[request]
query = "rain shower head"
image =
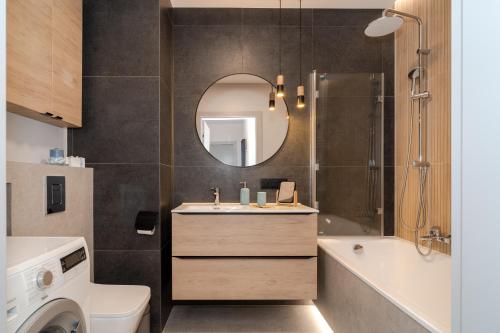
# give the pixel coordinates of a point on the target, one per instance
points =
(384, 25)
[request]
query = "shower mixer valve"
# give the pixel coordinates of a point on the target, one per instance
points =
(435, 234)
(420, 164)
(414, 75)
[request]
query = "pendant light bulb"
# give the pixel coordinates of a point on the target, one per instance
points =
(272, 101)
(300, 97)
(280, 86)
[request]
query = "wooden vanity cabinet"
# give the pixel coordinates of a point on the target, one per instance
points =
(244, 256)
(44, 60)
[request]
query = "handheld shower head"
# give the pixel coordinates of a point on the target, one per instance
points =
(413, 75)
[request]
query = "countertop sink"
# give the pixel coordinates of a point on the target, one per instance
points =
(236, 208)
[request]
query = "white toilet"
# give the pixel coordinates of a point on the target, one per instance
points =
(117, 308)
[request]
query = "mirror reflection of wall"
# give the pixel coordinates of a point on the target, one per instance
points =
(235, 124)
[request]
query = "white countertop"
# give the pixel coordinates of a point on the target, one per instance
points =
(236, 208)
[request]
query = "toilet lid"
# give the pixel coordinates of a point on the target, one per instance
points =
(117, 300)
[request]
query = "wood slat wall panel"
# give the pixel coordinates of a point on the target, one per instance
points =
(436, 15)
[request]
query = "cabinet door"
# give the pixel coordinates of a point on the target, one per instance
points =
(67, 61)
(244, 235)
(244, 279)
(29, 56)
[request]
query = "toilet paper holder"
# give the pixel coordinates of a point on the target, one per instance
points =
(145, 222)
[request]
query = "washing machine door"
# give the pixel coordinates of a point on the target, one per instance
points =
(58, 316)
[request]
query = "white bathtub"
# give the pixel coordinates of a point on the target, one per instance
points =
(421, 287)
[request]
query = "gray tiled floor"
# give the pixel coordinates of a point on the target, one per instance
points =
(245, 319)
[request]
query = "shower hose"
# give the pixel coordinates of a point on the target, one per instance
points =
(421, 217)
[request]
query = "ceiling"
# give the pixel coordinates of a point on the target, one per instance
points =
(285, 3)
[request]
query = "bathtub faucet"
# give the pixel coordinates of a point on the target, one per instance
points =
(435, 234)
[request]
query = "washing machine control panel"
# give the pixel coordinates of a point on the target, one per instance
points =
(73, 259)
(48, 276)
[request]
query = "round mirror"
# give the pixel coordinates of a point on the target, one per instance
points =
(235, 122)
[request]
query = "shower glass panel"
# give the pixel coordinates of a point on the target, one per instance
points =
(347, 127)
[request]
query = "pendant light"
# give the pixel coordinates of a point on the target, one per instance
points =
(280, 80)
(272, 100)
(300, 89)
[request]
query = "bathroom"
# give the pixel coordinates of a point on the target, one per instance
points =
(249, 166)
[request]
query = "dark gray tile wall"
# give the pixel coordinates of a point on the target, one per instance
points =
(140, 59)
(166, 151)
(212, 43)
(127, 138)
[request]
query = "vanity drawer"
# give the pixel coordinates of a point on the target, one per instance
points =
(244, 279)
(244, 235)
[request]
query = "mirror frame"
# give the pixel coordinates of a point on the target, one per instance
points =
(237, 166)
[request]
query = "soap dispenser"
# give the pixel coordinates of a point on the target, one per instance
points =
(244, 194)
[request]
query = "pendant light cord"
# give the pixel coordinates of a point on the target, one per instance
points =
(280, 71)
(300, 41)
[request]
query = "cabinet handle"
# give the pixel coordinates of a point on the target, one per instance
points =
(48, 114)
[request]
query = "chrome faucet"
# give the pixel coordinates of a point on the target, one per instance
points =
(435, 234)
(215, 190)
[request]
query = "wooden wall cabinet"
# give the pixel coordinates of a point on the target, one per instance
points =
(44, 60)
(244, 256)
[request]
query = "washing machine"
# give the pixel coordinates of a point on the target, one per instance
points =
(48, 285)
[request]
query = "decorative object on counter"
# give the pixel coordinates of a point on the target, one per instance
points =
(145, 222)
(261, 199)
(286, 190)
(244, 194)
(287, 194)
(56, 156)
(75, 161)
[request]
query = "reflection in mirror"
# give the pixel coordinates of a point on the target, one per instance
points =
(235, 124)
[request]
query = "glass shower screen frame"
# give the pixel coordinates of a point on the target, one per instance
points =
(353, 89)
